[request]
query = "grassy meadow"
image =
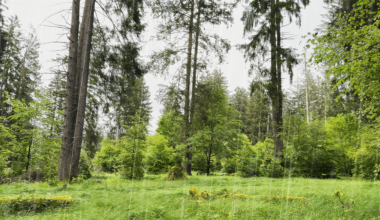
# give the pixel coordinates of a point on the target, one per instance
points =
(109, 197)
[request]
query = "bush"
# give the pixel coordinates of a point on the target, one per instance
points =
(16, 204)
(107, 158)
(272, 169)
(132, 158)
(159, 155)
(84, 166)
(176, 173)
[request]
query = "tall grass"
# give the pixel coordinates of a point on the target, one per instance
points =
(109, 197)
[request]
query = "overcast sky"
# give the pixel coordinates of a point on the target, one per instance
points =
(45, 15)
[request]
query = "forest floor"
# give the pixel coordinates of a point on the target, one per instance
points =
(109, 197)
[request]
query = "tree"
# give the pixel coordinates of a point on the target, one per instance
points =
(19, 64)
(178, 22)
(270, 32)
(159, 156)
(170, 126)
(32, 144)
(353, 60)
(216, 123)
(79, 65)
(341, 136)
(254, 111)
(65, 162)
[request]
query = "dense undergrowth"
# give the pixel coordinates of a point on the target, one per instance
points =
(110, 197)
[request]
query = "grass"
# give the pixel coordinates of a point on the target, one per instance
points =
(110, 197)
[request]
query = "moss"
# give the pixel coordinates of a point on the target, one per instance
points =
(15, 204)
(205, 194)
(224, 194)
(194, 191)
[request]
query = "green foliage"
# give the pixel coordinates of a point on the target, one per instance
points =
(307, 152)
(159, 156)
(366, 156)
(13, 205)
(215, 125)
(198, 163)
(29, 142)
(342, 139)
(354, 58)
(107, 158)
(170, 126)
(176, 173)
(267, 164)
(247, 158)
(84, 166)
(126, 154)
(7, 141)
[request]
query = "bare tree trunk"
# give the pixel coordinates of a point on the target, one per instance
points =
(1, 93)
(187, 165)
(197, 33)
(208, 164)
(88, 21)
(273, 73)
(64, 168)
(307, 91)
(277, 108)
(194, 83)
(29, 155)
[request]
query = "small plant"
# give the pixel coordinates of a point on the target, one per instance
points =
(176, 173)
(52, 182)
(349, 204)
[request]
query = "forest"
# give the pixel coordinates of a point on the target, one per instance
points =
(301, 141)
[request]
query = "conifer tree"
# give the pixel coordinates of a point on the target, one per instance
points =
(268, 17)
(182, 25)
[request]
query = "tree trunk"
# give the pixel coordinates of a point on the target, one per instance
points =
(277, 107)
(307, 91)
(64, 168)
(187, 165)
(208, 158)
(88, 21)
(29, 155)
(197, 33)
(273, 73)
(1, 93)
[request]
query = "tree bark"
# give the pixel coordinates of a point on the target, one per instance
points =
(64, 168)
(197, 33)
(273, 73)
(1, 93)
(277, 107)
(307, 91)
(208, 158)
(88, 21)
(29, 155)
(187, 164)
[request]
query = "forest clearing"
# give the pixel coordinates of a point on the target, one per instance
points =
(109, 197)
(189, 109)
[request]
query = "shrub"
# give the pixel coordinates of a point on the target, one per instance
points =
(84, 166)
(176, 173)
(159, 155)
(272, 169)
(132, 158)
(107, 158)
(16, 204)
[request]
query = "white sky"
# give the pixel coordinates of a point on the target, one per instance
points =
(40, 14)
